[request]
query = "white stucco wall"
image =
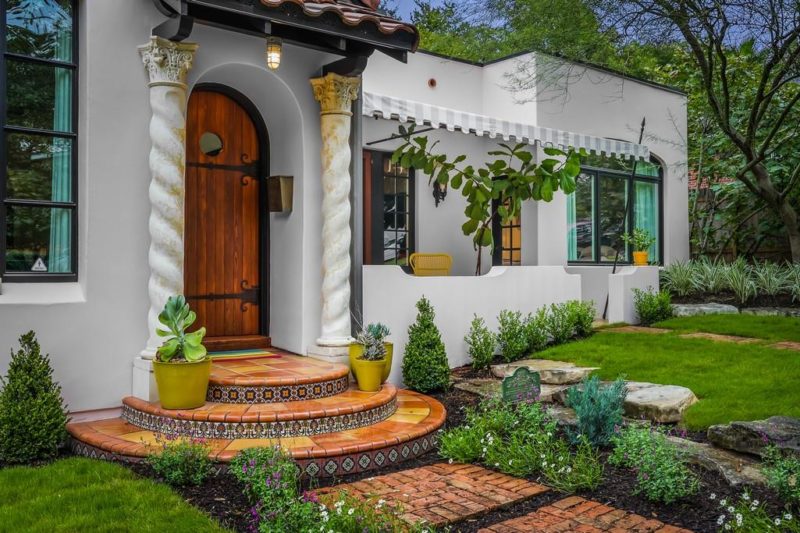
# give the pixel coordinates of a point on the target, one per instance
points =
(93, 329)
(390, 296)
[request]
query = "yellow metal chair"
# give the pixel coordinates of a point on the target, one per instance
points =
(431, 264)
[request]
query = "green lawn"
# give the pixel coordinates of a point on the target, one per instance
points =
(86, 495)
(772, 328)
(732, 381)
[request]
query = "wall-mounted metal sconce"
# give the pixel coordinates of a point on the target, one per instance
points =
(439, 192)
(280, 190)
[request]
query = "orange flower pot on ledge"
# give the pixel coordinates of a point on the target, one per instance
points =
(640, 258)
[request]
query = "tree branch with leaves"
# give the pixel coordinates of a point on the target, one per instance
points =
(499, 187)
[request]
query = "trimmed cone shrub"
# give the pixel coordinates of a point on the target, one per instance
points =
(425, 366)
(33, 417)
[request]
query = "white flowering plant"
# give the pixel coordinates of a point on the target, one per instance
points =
(522, 440)
(749, 514)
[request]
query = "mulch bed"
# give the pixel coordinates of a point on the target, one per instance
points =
(221, 496)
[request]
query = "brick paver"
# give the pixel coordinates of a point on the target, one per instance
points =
(578, 514)
(443, 493)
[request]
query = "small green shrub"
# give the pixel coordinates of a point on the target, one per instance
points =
(512, 339)
(480, 343)
(651, 306)
(522, 440)
(33, 416)
(181, 461)
(598, 408)
(748, 516)
(679, 278)
(535, 326)
(425, 365)
(783, 474)
(582, 316)
(267, 474)
(561, 323)
(662, 471)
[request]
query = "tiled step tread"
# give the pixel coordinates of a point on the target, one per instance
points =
(416, 416)
(287, 369)
(350, 401)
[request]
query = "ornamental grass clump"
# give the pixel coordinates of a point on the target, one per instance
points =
(599, 409)
(652, 306)
(679, 278)
(512, 339)
(662, 471)
(33, 416)
(481, 343)
(181, 461)
(425, 365)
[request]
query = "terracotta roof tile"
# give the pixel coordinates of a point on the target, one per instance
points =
(353, 13)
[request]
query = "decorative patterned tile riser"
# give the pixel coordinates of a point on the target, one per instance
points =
(323, 467)
(364, 461)
(258, 430)
(248, 394)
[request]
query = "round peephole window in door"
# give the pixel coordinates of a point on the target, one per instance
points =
(210, 144)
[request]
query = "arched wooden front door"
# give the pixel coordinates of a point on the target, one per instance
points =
(225, 237)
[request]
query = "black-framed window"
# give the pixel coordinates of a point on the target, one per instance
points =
(38, 153)
(608, 190)
(507, 240)
(390, 211)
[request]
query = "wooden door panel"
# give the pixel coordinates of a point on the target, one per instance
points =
(222, 230)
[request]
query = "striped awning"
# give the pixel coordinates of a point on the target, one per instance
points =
(388, 107)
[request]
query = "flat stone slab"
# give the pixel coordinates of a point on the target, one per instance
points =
(659, 403)
(578, 514)
(737, 469)
(638, 329)
(772, 311)
(753, 437)
(442, 493)
(485, 388)
(551, 372)
(711, 308)
(716, 337)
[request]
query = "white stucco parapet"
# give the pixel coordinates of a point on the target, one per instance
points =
(335, 95)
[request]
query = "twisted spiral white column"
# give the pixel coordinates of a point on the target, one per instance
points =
(166, 63)
(335, 94)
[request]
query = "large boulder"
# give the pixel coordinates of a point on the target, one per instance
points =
(737, 469)
(551, 372)
(659, 403)
(772, 311)
(703, 309)
(753, 437)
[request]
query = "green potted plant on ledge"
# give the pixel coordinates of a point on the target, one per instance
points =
(182, 366)
(640, 241)
(371, 357)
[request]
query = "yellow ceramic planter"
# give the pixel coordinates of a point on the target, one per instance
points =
(640, 258)
(182, 385)
(357, 350)
(369, 374)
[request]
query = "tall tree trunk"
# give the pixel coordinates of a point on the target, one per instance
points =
(789, 217)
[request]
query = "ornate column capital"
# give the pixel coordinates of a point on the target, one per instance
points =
(336, 93)
(167, 62)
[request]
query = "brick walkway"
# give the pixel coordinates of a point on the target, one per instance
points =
(443, 493)
(577, 514)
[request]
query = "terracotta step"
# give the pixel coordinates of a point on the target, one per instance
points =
(348, 410)
(278, 377)
(410, 432)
